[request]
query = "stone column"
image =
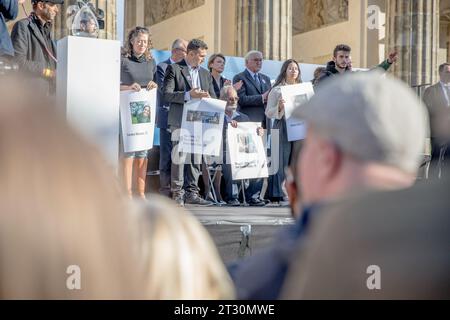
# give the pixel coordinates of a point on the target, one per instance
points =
(264, 25)
(413, 30)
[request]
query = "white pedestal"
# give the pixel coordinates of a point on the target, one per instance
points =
(88, 86)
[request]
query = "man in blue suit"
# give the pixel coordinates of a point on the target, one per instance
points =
(179, 48)
(252, 102)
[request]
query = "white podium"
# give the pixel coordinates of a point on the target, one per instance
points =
(88, 86)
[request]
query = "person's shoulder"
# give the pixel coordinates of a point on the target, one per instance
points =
(240, 75)
(22, 24)
(243, 117)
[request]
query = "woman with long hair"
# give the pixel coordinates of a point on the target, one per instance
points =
(290, 74)
(137, 70)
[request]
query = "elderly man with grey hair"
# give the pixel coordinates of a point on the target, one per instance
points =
(253, 99)
(365, 133)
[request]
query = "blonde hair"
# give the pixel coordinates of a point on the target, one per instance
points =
(178, 255)
(59, 206)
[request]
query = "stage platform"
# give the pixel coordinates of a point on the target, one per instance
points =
(241, 231)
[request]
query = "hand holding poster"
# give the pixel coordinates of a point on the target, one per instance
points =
(295, 95)
(138, 112)
(246, 152)
(202, 127)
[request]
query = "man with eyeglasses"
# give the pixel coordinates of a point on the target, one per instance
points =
(179, 47)
(437, 99)
(35, 50)
(252, 101)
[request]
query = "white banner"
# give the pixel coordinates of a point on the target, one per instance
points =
(202, 127)
(294, 96)
(138, 113)
(246, 151)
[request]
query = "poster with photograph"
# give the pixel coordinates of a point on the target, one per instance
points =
(295, 96)
(202, 127)
(137, 114)
(247, 155)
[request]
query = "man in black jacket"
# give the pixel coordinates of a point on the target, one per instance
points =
(165, 162)
(35, 50)
(342, 63)
(184, 81)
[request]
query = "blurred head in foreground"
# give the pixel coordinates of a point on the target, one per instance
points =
(177, 255)
(60, 206)
(364, 131)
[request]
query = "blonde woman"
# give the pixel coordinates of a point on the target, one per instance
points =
(289, 74)
(63, 224)
(178, 257)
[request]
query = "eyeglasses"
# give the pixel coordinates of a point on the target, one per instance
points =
(257, 60)
(181, 49)
(233, 99)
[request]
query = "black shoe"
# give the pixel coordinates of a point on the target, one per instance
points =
(197, 200)
(234, 203)
(256, 203)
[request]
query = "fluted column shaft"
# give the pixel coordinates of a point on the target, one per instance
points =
(264, 25)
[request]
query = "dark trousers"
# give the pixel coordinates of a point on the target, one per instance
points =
(185, 171)
(165, 161)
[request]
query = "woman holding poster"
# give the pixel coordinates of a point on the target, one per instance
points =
(290, 74)
(137, 70)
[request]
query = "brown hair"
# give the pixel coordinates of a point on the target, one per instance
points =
(214, 57)
(132, 35)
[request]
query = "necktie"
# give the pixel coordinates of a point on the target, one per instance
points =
(258, 82)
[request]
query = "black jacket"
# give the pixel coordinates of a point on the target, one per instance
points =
(177, 82)
(34, 49)
(250, 96)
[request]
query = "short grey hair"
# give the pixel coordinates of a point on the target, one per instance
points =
(251, 53)
(224, 91)
(177, 43)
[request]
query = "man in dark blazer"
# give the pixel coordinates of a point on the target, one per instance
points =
(255, 89)
(253, 99)
(179, 48)
(35, 50)
(437, 99)
(183, 82)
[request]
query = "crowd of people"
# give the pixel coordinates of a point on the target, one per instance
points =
(351, 183)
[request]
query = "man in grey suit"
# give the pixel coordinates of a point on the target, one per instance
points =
(179, 48)
(437, 99)
(252, 102)
(183, 82)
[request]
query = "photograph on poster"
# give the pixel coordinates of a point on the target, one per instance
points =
(140, 112)
(203, 117)
(246, 143)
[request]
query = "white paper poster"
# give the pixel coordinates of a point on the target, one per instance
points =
(138, 113)
(202, 127)
(295, 96)
(247, 155)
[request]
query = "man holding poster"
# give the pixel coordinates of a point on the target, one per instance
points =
(183, 82)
